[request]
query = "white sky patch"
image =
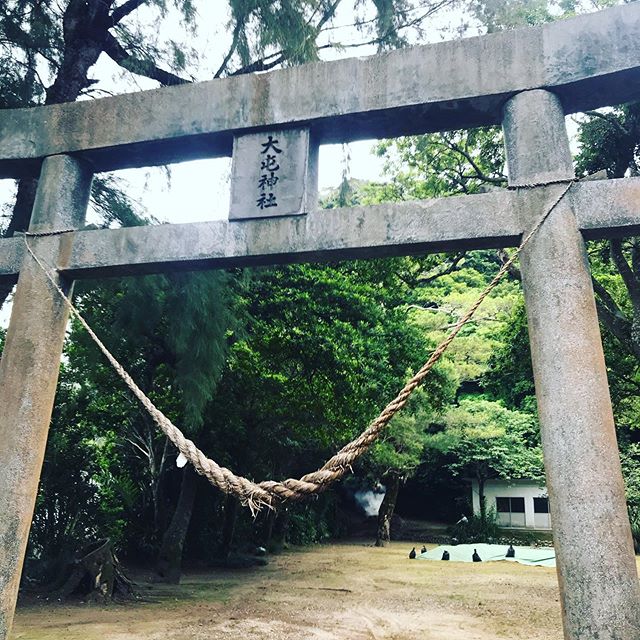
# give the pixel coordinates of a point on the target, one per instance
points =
(5, 313)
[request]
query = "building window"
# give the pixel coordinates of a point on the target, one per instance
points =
(511, 505)
(510, 512)
(541, 505)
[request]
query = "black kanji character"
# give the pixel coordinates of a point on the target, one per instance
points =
(270, 144)
(266, 200)
(268, 180)
(269, 164)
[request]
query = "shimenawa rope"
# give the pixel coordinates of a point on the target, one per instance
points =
(269, 493)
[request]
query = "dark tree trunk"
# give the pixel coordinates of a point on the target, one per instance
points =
(483, 501)
(280, 529)
(386, 510)
(270, 519)
(157, 465)
(170, 557)
(229, 525)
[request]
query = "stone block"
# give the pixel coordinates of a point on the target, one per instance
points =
(273, 173)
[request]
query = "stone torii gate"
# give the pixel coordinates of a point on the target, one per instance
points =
(527, 80)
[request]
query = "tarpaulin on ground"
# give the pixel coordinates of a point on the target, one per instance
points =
(535, 556)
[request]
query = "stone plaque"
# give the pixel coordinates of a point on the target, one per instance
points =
(273, 173)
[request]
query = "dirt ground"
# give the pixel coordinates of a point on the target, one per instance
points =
(334, 592)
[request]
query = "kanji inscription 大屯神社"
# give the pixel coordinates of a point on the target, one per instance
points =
(273, 174)
(269, 178)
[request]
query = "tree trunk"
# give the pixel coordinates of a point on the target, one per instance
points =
(85, 25)
(157, 464)
(386, 510)
(483, 501)
(280, 529)
(229, 526)
(170, 557)
(267, 536)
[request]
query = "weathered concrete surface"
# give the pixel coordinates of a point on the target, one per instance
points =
(390, 229)
(604, 209)
(589, 61)
(273, 173)
(29, 372)
(11, 255)
(607, 209)
(596, 567)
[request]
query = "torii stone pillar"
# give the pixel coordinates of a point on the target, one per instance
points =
(599, 595)
(29, 368)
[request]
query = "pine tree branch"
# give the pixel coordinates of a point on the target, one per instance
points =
(327, 15)
(125, 9)
(461, 183)
(611, 119)
(612, 317)
(619, 328)
(273, 59)
(430, 11)
(140, 67)
(480, 175)
(607, 300)
(452, 266)
(514, 272)
(484, 178)
(234, 44)
(262, 64)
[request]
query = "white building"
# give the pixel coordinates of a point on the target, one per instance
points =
(521, 504)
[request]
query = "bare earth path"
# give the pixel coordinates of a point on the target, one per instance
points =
(333, 592)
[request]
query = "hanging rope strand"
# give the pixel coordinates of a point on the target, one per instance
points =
(269, 493)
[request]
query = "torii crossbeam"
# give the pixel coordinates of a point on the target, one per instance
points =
(527, 80)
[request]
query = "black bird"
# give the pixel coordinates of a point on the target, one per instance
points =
(511, 552)
(423, 550)
(475, 557)
(412, 554)
(445, 555)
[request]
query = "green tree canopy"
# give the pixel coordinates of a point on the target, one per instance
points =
(481, 439)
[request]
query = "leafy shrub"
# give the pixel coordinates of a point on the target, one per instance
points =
(475, 530)
(307, 525)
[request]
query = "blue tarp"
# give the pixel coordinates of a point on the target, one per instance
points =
(535, 556)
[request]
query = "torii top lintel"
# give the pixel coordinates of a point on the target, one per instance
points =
(589, 62)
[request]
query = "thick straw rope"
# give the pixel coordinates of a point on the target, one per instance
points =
(269, 493)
